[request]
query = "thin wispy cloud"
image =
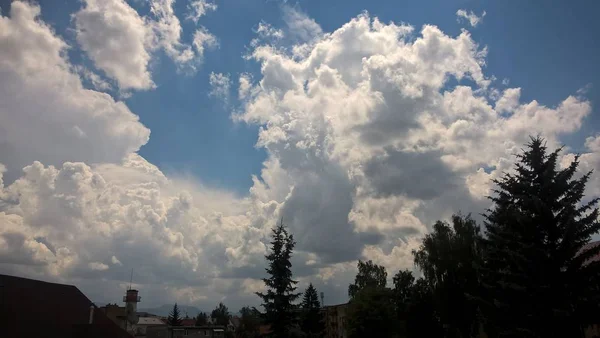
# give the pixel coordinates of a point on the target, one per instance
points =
(472, 18)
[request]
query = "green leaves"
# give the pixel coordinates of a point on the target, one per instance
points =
(369, 275)
(449, 257)
(221, 315)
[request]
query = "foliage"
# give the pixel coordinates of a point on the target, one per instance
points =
(449, 257)
(174, 318)
(250, 321)
(369, 275)
(421, 317)
(537, 282)
(220, 315)
(371, 313)
(402, 292)
(312, 320)
(201, 319)
(280, 295)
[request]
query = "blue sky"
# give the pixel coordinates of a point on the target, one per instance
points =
(118, 152)
(548, 49)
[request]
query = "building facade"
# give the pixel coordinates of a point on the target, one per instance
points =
(185, 331)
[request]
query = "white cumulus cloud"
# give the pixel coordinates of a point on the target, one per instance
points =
(122, 43)
(42, 94)
(367, 145)
(304, 28)
(117, 40)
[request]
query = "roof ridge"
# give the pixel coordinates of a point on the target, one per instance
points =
(37, 280)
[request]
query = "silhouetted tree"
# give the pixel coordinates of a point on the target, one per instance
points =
(201, 319)
(174, 318)
(312, 320)
(220, 315)
(371, 310)
(250, 319)
(403, 284)
(537, 282)
(280, 295)
(421, 317)
(369, 275)
(449, 257)
(371, 313)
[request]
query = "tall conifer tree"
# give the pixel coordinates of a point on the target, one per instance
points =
(537, 282)
(279, 298)
(174, 318)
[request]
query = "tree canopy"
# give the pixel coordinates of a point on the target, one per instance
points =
(250, 320)
(220, 315)
(371, 313)
(369, 275)
(448, 258)
(201, 319)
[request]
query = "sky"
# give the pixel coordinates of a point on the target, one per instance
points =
(170, 136)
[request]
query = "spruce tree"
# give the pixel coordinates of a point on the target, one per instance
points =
(535, 272)
(312, 320)
(201, 319)
(174, 318)
(279, 297)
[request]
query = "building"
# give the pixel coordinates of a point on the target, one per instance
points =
(144, 323)
(32, 309)
(124, 316)
(335, 320)
(188, 322)
(116, 313)
(207, 331)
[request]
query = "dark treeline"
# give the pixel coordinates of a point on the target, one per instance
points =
(525, 272)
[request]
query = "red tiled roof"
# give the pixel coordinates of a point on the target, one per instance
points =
(32, 309)
(188, 322)
(264, 329)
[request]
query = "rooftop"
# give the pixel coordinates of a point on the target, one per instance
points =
(150, 321)
(59, 311)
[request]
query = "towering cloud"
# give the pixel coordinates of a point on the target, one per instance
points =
(372, 132)
(121, 43)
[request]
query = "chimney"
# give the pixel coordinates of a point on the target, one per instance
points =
(91, 314)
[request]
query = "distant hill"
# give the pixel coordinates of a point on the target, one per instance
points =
(164, 310)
